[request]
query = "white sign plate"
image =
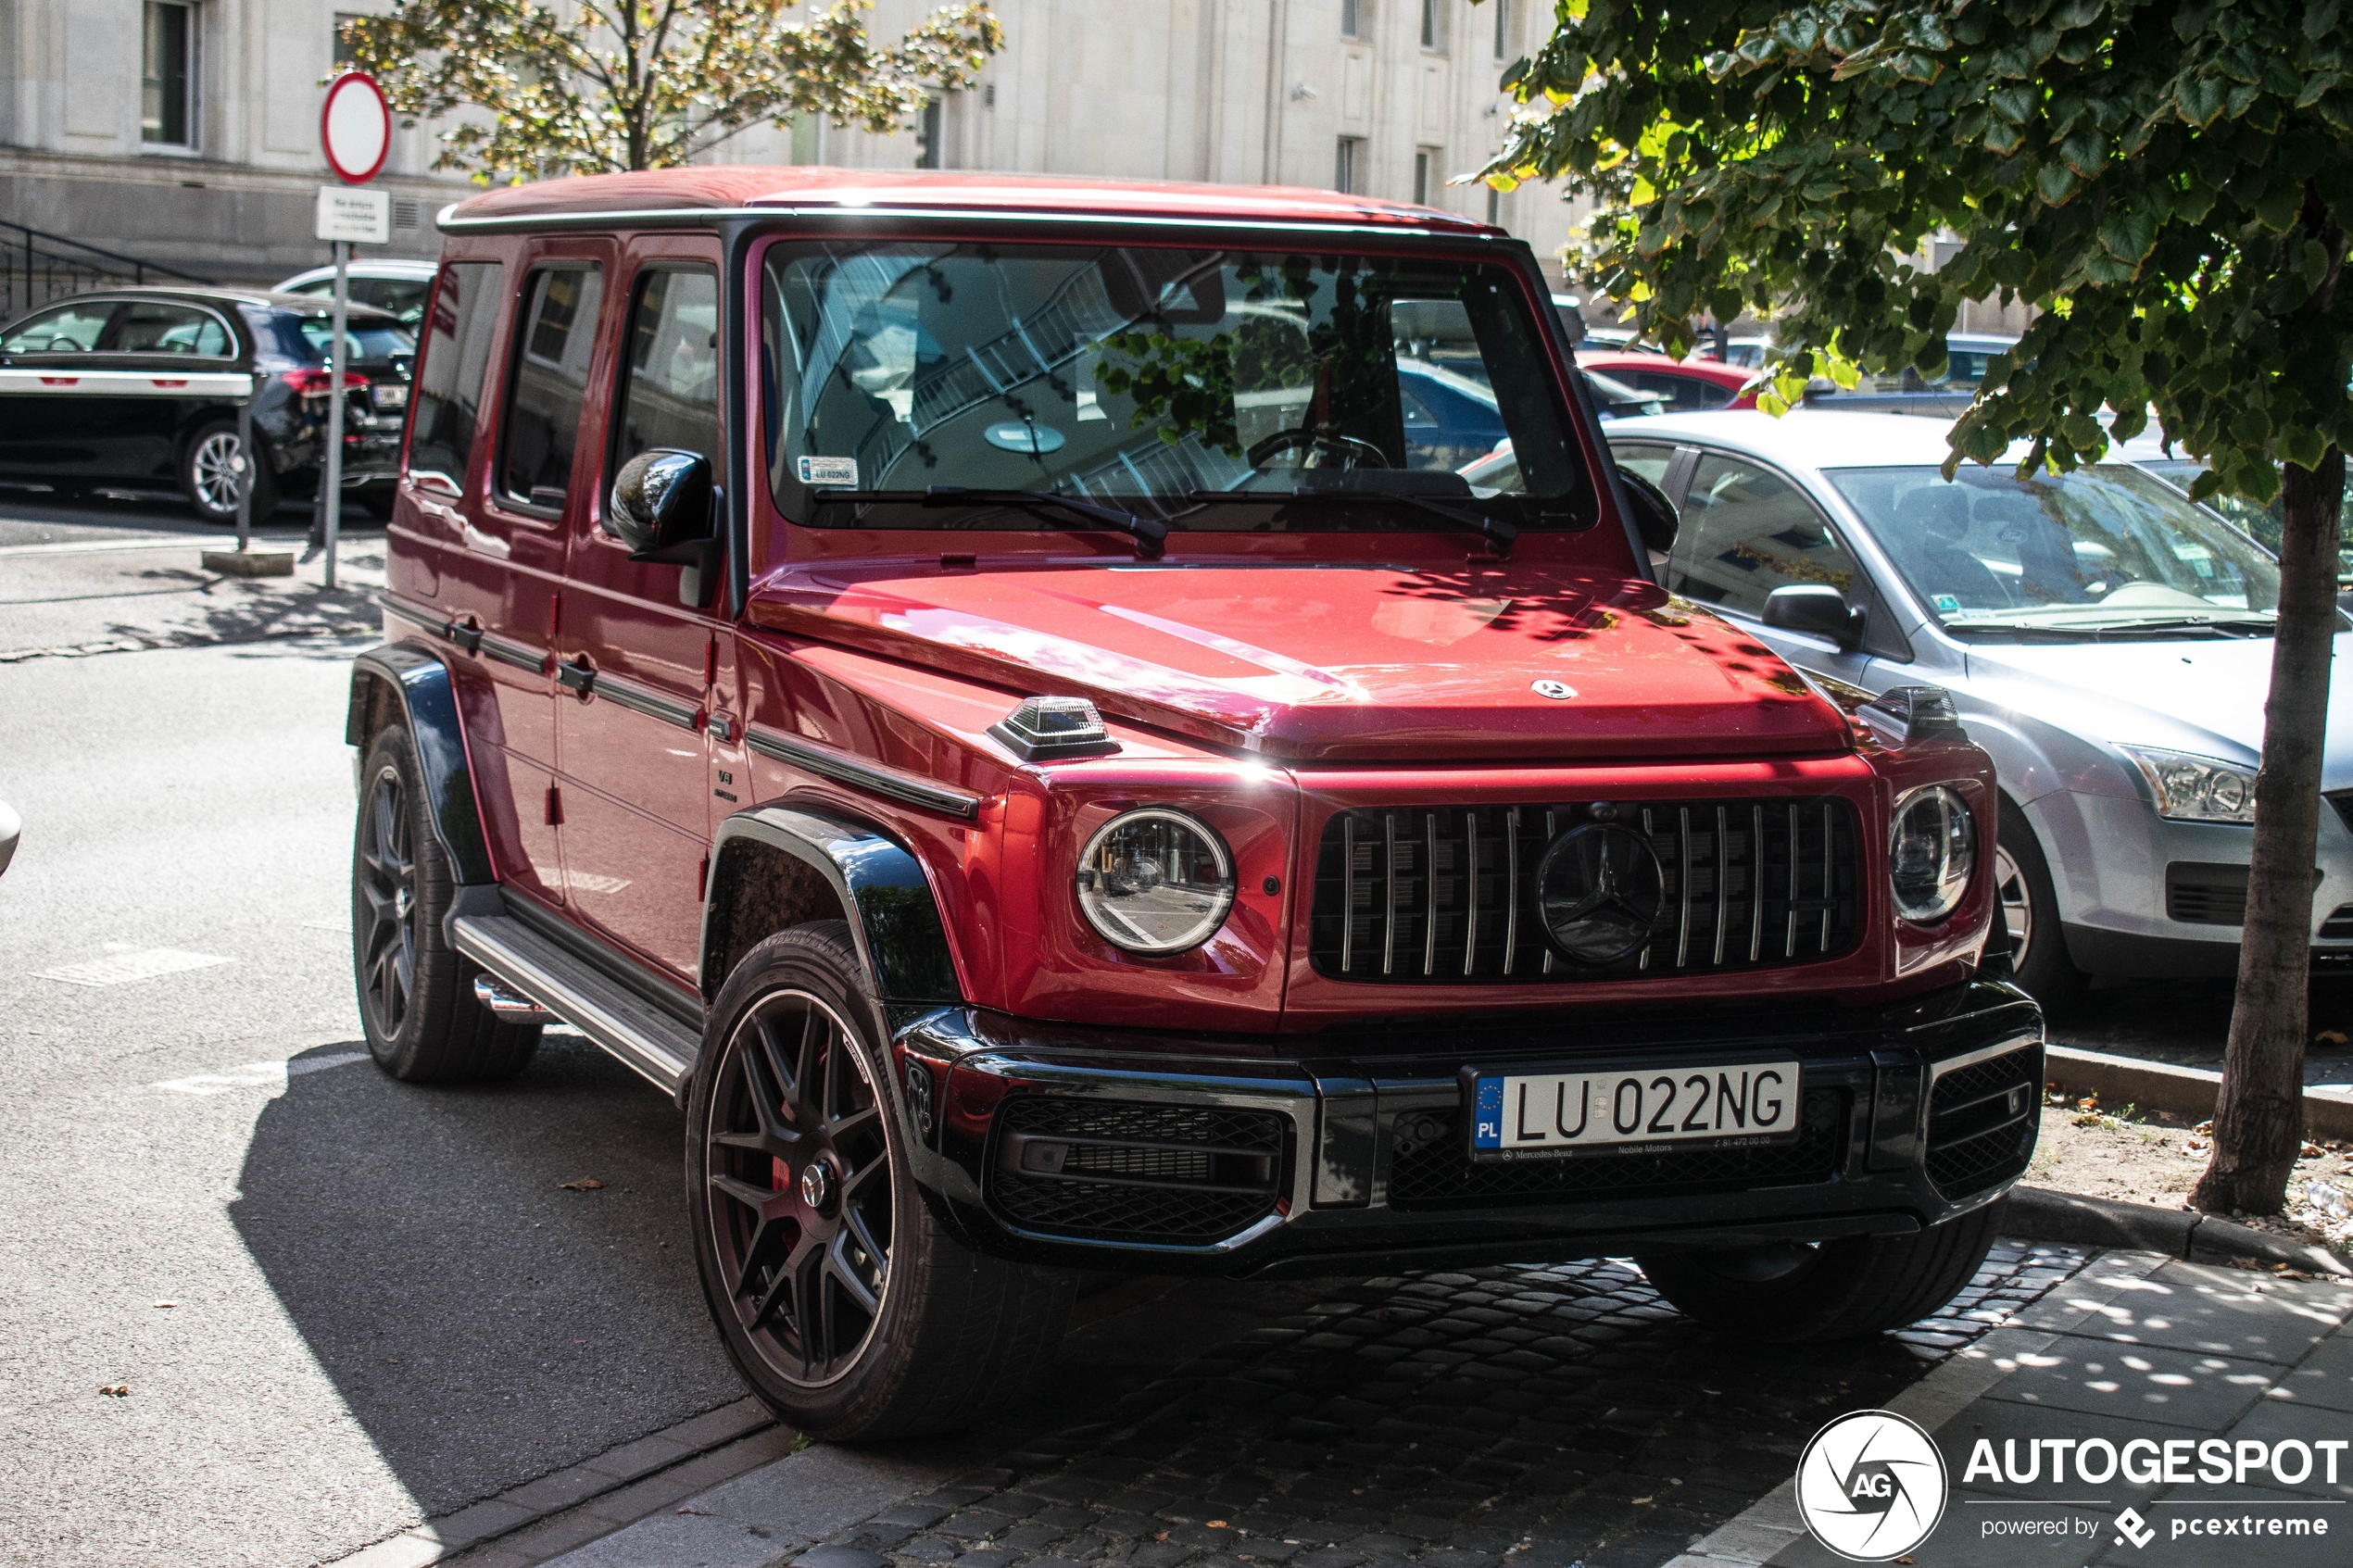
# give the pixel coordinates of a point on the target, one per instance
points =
(359, 217)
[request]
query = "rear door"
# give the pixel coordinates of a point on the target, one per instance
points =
(638, 660)
(492, 569)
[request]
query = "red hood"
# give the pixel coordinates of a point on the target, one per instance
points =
(1337, 663)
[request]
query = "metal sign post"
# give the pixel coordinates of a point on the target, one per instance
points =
(355, 127)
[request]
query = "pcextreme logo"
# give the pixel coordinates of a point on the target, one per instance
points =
(1871, 1485)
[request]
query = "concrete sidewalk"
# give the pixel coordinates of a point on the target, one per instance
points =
(2137, 1346)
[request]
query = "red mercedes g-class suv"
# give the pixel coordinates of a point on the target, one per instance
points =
(993, 693)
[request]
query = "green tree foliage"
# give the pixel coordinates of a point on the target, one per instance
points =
(2169, 181)
(601, 86)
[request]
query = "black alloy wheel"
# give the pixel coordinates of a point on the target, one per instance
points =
(385, 883)
(799, 1188)
(417, 1004)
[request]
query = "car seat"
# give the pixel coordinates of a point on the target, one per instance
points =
(1930, 523)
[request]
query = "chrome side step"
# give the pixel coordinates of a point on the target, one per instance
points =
(652, 1043)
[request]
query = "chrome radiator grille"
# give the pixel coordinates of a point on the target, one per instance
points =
(1435, 894)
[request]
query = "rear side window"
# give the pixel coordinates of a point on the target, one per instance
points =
(557, 331)
(670, 380)
(449, 395)
(1746, 533)
(153, 327)
(69, 328)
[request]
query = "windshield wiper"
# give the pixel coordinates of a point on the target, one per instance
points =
(1150, 534)
(1501, 536)
(2222, 625)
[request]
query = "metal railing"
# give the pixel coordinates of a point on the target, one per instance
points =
(34, 269)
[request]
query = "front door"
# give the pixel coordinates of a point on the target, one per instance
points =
(58, 405)
(637, 662)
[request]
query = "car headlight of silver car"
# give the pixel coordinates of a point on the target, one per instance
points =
(1156, 880)
(1931, 852)
(2194, 789)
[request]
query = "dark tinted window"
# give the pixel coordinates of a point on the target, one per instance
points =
(449, 393)
(670, 383)
(374, 339)
(1682, 393)
(155, 327)
(558, 329)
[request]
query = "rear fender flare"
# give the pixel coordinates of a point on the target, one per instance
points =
(876, 882)
(417, 682)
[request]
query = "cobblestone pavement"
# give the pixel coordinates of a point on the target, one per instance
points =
(1498, 1418)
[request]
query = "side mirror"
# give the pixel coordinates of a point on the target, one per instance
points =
(664, 505)
(1815, 609)
(665, 508)
(1654, 516)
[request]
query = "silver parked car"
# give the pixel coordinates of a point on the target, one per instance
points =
(2107, 641)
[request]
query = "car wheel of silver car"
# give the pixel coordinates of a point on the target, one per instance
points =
(417, 1005)
(1787, 1292)
(838, 1295)
(208, 475)
(2039, 960)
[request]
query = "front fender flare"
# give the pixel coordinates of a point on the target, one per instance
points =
(419, 683)
(877, 881)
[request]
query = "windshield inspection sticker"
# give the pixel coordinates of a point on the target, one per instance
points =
(832, 472)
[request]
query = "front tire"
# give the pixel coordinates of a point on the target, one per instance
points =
(209, 476)
(840, 1297)
(417, 1006)
(1788, 1293)
(2029, 903)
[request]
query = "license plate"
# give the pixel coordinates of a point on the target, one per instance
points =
(391, 396)
(1619, 1108)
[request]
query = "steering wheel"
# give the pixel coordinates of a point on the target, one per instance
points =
(1349, 451)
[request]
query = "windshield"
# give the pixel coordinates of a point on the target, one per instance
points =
(2102, 548)
(1203, 389)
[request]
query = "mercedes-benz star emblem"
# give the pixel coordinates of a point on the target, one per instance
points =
(1559, 691)
(1599, 887)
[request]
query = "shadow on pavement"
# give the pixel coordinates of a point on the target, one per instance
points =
(485, 1325)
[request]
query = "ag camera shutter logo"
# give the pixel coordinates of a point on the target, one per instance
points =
(1871, 1485)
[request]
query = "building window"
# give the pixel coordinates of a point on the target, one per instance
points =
(1348, 169)
(1352, 18)
(1431, 35)
(928, 150)
(166, 75)
(345, 59)
(1503, 28)
(1424, 173)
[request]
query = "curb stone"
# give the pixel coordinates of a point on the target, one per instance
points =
(2042, 1214)
(2184, 1091)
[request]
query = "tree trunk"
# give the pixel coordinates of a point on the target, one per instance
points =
(2259, 1118)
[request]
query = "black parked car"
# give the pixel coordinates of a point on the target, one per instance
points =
(137, 385)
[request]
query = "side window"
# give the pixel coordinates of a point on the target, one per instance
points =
(153, 327)
(1746, 533)
(669, 377)
(69, 328)
(1651, 462)
(1683, 394)
(555, 334)
(457, 358)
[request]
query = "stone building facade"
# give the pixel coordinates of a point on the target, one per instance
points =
(185, 133)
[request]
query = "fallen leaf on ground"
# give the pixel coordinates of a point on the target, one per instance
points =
(116, 1390)
(2330, 1037)
(167, 1303)
(1640, 1500)
(586, 1184)
(1218, 1524)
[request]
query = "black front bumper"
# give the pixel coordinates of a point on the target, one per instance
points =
(1346, 1153)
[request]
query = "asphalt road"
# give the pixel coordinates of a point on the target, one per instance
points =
(382, 1302)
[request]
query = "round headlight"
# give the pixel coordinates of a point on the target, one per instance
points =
(1156, 880)
(1931, 853)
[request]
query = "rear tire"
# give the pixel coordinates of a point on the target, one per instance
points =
(1787, 1292)
(2029, 905)
(417, 1005)
(840, 1297)
(209, 477)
